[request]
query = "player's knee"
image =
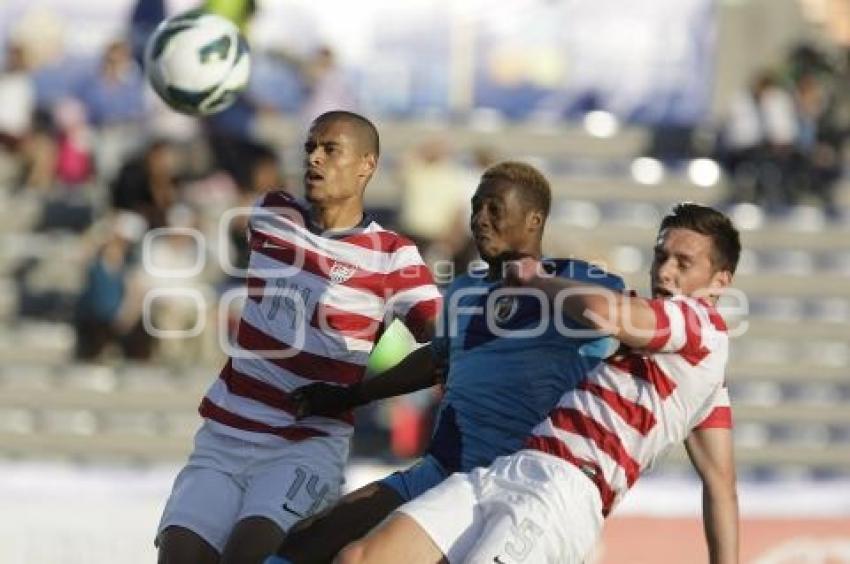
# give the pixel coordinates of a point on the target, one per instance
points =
(252, 539)
(178, 544)
(354, 553)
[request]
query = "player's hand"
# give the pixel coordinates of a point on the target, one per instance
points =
(522, 272)
(324, 399)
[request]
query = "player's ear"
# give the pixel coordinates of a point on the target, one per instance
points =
(368, 164)
(721, 279)
(534, 220)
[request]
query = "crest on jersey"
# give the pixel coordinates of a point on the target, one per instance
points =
(505, 308)
(340, 272)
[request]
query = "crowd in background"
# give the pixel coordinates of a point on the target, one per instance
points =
(783, 138)
(109, 162)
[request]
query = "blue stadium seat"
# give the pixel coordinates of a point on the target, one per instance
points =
(793, 262)
(777, 308)
(635, 214)
(836, 310)
(577, 212)
(755, 393)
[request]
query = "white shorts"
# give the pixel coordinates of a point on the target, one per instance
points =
(228, 479)
(527, 507)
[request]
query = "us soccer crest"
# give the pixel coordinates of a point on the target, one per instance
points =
(505, 308)
(340, 272)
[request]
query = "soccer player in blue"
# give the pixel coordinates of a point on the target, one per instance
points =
(506, 358)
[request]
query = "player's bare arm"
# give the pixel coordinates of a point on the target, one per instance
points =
(416, 371)
(629, 319)
(336, 526)
(711, 453)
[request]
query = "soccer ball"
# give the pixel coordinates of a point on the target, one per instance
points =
(395, 344)
(197, 62)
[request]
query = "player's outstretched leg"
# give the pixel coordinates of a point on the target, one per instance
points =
(179, 545)
(198, 516)
(399, 539)
(252, 539)
(424, 531)
(320, 537)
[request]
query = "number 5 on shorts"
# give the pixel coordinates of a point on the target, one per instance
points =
(527, 532)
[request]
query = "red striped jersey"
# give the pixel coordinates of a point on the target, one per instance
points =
(317, 302)
(633, 407)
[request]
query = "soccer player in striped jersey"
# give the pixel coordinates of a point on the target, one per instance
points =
(547, 502)
(497, 387)
(323, 279)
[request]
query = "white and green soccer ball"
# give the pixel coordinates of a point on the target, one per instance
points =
(197, 62)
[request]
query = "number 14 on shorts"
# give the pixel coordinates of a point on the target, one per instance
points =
(304, 485)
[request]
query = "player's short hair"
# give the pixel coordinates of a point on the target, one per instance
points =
(366, 130)
(532, 186)
(708, 221)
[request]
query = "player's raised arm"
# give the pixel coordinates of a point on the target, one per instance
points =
(687, 263)
(632, 320)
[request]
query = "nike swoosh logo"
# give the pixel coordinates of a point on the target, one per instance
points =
(290, 510)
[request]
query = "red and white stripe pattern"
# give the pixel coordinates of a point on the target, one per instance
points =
(633, 407)
(316, 307)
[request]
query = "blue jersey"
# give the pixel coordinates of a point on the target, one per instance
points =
(508, 363)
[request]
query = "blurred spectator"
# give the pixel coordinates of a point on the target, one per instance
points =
(40, 152)
(74, 142)
(28, 140)
(805, 59)
(109, 309)
(758, 141)
(40, 33)
(54, 70)
(436, 201)
(146, 184)
(263, 174)
(176, 249)
(114, 96)
(230, 135)
(326, 83)
(820, 143)
(114, 93)
(17, 100)
(144, 18)
(328, 87)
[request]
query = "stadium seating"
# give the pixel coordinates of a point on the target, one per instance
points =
(788, 375)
